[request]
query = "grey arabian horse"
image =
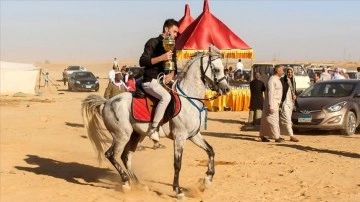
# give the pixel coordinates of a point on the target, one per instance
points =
(126, 132)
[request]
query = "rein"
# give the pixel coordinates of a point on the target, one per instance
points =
(204, 78)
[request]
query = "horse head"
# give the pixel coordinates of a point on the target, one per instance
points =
(215, 78)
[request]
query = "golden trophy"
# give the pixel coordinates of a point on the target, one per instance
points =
(169, 45)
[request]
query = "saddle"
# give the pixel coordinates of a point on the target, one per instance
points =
(143, 106)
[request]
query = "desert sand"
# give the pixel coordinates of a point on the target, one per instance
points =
(47, 156)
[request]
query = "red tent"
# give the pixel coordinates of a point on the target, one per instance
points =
(186, 20)
(206, 30)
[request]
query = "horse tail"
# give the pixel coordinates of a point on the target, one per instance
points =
(92, 121)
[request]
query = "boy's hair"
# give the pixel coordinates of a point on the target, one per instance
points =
(169, 23)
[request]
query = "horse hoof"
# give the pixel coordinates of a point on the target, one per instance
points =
(144, 187)
(158, 146)
(180, 196)
(140, 148)
(207, 182)
(126, 187)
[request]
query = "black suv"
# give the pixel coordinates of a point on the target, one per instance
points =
(137, 71)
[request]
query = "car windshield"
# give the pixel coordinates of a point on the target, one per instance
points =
(352, 75)
(73, 68)
(84, 75)
(298, 69)
(263, 69)
(324, 89)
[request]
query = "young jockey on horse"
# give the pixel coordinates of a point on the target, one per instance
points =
(153, 59)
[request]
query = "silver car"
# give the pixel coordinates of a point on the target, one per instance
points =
(329, 105)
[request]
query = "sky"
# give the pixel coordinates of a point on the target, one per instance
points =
(99, 30)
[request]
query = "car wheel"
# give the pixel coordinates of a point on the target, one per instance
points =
(350, 124)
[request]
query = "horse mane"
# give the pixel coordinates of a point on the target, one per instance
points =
(213, 51)
(186, 67)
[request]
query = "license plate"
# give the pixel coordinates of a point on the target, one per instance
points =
(304, 118)
(88, 86)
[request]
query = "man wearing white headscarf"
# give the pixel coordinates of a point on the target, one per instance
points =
(325, 74)
(337, 74)
(287, 106)
(270, 117)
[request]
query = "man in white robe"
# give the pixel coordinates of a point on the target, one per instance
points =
(288, 99)
(270, 116)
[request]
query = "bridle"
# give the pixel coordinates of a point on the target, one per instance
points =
(213, 82)
(205, 79)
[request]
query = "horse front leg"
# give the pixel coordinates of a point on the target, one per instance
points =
(178, 152)
(202, 143)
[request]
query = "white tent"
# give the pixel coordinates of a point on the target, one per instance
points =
(18, 77)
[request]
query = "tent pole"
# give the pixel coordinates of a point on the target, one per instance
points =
(40, 78)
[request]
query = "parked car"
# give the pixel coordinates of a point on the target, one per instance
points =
(137, 71)
(83, 80)
(266, 70)
(73, 68)
(329, 105)
(352, 74)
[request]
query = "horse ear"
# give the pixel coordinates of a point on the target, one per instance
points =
(213, 50)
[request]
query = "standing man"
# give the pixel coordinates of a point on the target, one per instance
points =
(316, 78)
(337, 74)
(153, 59)
(270, 116)
(65, 77)
(325, 74)
(47, 79)
(112, 74)
(288, 103)
(257, 88)
(358, 73)
(116, 87)
(115, 63)
(124, 74)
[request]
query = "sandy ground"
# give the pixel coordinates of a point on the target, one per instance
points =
(46, 156)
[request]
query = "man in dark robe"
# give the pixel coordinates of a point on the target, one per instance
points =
(257, 88)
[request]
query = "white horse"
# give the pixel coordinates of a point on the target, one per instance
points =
(126, 132)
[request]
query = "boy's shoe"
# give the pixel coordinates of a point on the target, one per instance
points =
(154, 134)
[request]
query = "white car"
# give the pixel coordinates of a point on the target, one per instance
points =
(73, 68)
(266, 70)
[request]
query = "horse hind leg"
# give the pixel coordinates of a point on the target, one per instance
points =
(126, 156)
(112, 154)
(202, 143)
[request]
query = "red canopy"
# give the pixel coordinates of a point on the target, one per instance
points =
(186, 20)
(206, 30)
